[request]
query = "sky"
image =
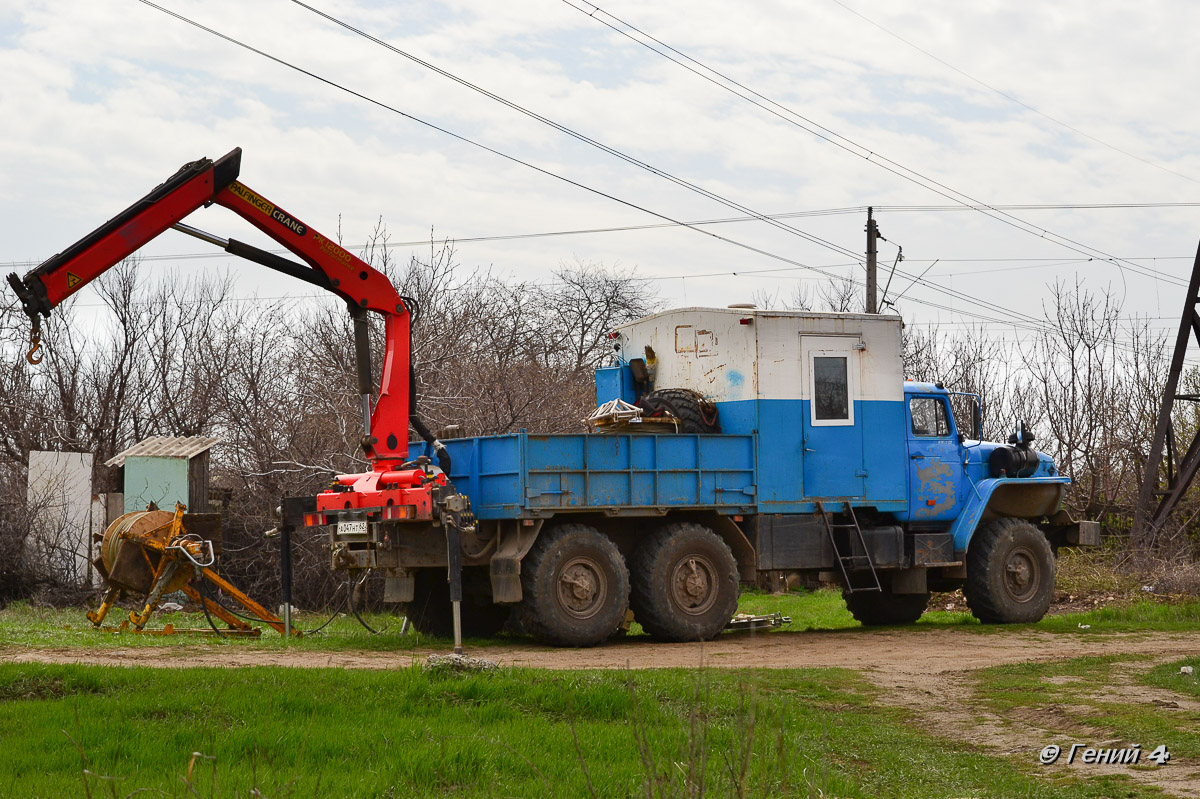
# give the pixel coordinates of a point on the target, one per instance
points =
(914, 108)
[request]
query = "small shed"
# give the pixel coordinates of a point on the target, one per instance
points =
(165, 470)
(63, 513)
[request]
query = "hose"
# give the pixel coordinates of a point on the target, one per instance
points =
(438, 447)
(204, 605)
(243, 616)
(354, 610)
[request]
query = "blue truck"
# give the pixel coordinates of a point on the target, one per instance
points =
(730, 442)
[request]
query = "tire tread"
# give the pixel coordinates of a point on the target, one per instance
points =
(532, 617)
(981, 598)
(654, 613)
(685, 405)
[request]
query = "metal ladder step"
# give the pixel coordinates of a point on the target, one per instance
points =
(856, 563)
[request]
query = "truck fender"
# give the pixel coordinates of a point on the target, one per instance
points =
(514, 540)
(743, 552)
(1025, 498)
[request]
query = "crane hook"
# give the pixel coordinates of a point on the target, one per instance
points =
(35, 341)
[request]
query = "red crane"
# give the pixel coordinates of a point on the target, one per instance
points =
(395, 488)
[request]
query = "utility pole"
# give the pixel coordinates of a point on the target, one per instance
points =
(872, 237)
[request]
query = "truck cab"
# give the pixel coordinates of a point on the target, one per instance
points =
(946, 462)
(937, 456)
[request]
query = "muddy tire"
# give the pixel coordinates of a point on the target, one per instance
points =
(695, 414)
(880, 608)
(1010, 573)
(685, 583)
(430, 614)
(576, 587)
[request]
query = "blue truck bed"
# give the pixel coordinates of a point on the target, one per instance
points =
(523, 475)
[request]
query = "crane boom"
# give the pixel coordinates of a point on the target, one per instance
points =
(395, 490)
(326, 264)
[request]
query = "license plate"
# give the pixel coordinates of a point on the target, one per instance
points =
(352, 528)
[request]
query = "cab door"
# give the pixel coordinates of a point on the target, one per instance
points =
(935, 460)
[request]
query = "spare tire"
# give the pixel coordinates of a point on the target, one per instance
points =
(694, 412)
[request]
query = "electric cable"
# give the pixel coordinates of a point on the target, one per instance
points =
(598, 192)
(721, 221)
(612, 151)
(541, 170)
(580, 136)
(1009, 97)
(204, 606)
(849, 145)
(354, 610)
(639, 163)
(337, 611)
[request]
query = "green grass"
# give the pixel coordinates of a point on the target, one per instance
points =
(77, 730)
(1168, 677)
(1095, 699)
(1141, 615)
(25, 626)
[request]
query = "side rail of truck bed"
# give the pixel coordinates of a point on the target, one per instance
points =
(522, 475)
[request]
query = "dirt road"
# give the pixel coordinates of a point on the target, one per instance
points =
(883, 652)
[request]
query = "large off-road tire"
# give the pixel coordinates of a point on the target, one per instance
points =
(430, 613)
(1010, 573)
(695, 414)
(575, 585)
(879, 608)
(685, 583)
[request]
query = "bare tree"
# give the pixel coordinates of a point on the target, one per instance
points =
(277, 385)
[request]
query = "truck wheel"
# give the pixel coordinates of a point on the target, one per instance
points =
(878, 608)
(430, 614)
(685, 583)
(694, 412)
(576, 587)
(1010, 573)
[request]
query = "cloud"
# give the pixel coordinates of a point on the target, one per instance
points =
(101, 104)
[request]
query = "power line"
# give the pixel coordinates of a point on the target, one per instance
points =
(826, 134)
(630, 159)
(720, 221)
(1007, 96)
(660, 173)
(1029, 207)
(577, 135)
(459, 137)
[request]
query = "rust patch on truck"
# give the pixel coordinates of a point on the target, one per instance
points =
(936, 494)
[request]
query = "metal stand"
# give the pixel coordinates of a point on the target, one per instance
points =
(1151, 516)
(454, 569)
(285, 577)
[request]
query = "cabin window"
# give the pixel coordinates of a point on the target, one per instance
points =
(831, 388)
(929, 417)
(830, 379)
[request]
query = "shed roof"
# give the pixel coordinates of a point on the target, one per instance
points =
(165, 447)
